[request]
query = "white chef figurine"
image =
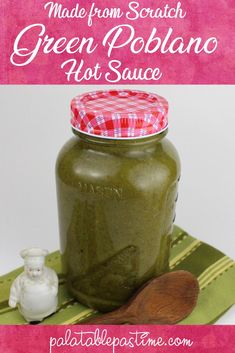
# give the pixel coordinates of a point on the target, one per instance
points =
(35, 289)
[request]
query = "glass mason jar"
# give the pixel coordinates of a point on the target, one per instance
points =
(117, 187)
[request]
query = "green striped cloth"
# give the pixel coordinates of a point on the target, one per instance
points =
(214, 270)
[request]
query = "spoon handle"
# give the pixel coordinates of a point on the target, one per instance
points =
(116, 317)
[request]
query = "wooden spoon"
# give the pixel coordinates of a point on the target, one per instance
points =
(167, 299)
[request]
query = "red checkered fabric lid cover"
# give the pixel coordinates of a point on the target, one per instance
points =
(119, 114)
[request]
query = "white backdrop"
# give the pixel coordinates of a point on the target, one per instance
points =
(35, 124)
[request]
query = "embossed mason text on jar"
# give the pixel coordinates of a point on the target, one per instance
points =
(117, 187)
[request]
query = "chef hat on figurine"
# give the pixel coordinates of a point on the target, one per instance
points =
(34, 256)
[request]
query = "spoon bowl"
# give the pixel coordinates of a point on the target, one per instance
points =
(167, 299)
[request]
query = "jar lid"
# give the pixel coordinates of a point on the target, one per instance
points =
(119, 114)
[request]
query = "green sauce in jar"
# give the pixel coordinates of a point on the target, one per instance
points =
(116, 202)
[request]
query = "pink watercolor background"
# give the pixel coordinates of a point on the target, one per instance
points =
(35, 339)
(204, 19)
